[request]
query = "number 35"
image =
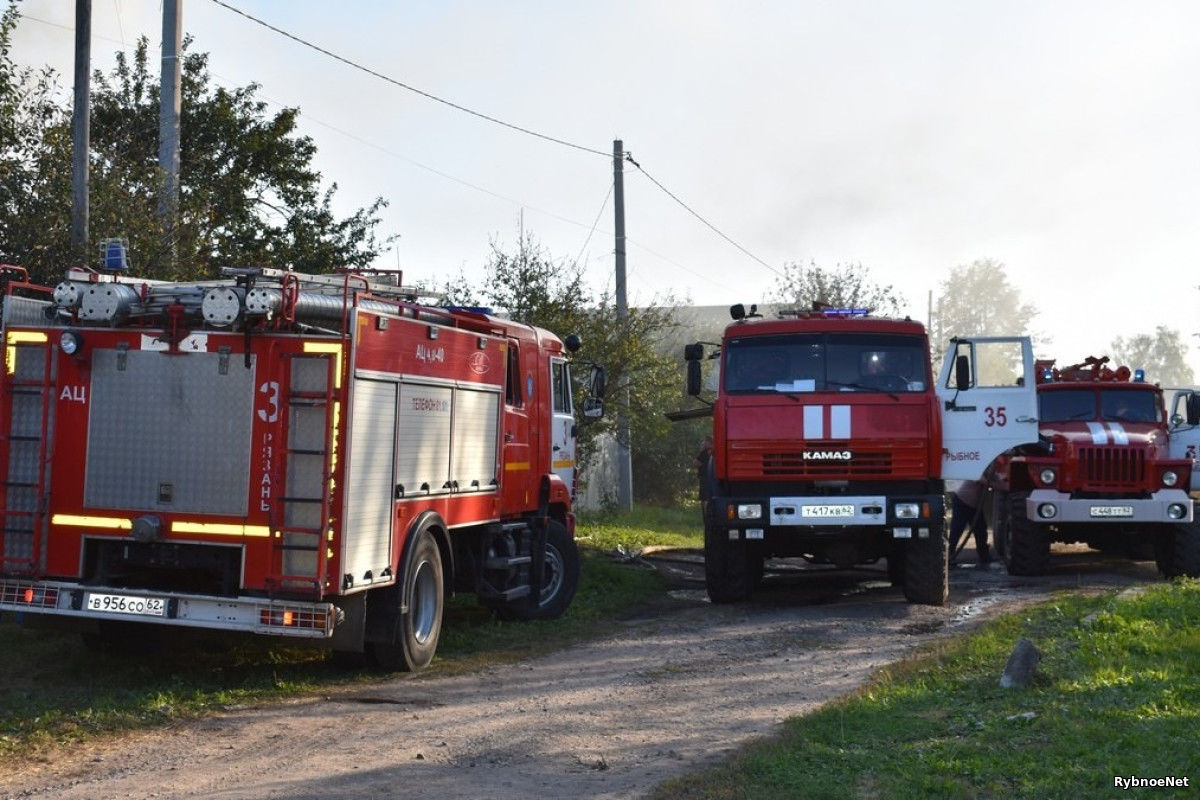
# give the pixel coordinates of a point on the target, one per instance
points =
(995, 417)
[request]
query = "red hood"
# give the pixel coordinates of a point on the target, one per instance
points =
(1142, 435)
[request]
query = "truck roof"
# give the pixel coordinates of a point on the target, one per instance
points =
(821, 323)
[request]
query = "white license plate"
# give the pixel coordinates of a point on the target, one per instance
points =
(827, 511)
(126, 604)
(1112, 511)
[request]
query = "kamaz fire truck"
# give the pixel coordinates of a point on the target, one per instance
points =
(1103, 472)
(831, 442)
(312, 457)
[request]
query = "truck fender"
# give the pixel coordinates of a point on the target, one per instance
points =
(432, 521)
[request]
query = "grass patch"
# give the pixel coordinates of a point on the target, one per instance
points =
(1118, 694)
(55, 692)
(645, 526)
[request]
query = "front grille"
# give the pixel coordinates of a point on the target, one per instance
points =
(876, 460)
(1111, 467)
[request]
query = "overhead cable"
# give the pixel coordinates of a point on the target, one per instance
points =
(403, 85)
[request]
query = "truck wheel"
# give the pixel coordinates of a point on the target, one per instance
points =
(732, 570)
(1177, 550)
(927, 566)
(415, 610)
(1026, 548)
(895, 565)
(560, 579)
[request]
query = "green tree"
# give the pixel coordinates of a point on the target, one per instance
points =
(249, 194)
(977, 299)
(844, 286)
(529, 285)
(1162, 355)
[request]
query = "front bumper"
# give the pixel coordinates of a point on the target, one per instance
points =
(1156, 509)
(901, 517)
(244, 614)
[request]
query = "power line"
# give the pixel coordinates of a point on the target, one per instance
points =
(595, 223)
(689, 209)
(402, 85)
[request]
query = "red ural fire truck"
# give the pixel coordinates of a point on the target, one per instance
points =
(1104, 472)
(318, 457)
(831, 442)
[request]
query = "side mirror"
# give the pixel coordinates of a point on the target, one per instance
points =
(693, 352)
(694, 379)
(1193, 409)
(962, 373)
(598, 382)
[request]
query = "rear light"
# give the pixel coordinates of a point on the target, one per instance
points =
(31, 595)
(279, 617)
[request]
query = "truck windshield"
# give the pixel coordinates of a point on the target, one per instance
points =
(1117, 405)
(845, 362)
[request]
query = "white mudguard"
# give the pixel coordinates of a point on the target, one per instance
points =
(988, 398)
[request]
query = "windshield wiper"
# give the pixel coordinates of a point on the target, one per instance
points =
(865, 388)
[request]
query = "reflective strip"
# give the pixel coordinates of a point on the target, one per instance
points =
(329, 347)
(112, 523)
(839, 422)
(20, 337)
(1118, 433)
(1099, 436)
(563, 464)
(220, 529)
(515, 466)
(35, 337)
(814, 422)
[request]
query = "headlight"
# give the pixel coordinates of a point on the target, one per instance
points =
(1176, 511)
(70, 342)
(749, 511)
(907, 511)
(1047, 511)
(1048, 476)
(1170, 478)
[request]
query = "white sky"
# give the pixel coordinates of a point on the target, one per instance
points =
(1059, 138)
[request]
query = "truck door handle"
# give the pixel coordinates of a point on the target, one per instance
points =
(1026, 419)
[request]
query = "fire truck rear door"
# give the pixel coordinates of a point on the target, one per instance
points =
(995, 410)
(562, 437)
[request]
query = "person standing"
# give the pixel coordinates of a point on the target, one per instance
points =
(966, 511)
(702, 459)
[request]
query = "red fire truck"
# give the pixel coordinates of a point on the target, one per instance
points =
(312, 457)
(1103, 472)
(831, 442)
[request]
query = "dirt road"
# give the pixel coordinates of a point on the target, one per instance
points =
(609, 719)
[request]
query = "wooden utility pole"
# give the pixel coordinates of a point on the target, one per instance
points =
(624, 458)
(168, 123)
(81, 127)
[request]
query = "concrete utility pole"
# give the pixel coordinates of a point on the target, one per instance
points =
(81, 130)
(168, 122)
(624, 459)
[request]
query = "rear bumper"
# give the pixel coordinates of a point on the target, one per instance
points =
(243, 614)
(1156, 509)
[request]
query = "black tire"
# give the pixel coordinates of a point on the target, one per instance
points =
(732, 569)
(560, 579)
(1177, 550)
(415, 611)
(1026, 546)
(895, 565)
(927, 566)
